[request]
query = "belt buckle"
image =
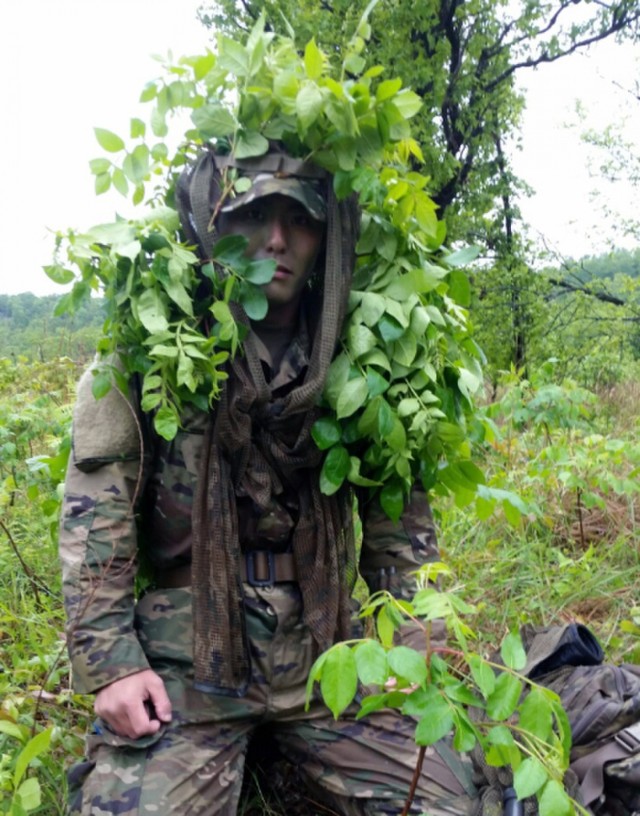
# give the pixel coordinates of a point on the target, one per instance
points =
(250, 560)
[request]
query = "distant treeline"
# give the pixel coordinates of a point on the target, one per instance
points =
(29, 328)
(620, 262)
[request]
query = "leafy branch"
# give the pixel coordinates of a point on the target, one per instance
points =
(399, 393)
(454, 690)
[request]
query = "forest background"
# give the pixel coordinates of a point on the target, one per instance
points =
(551, 535)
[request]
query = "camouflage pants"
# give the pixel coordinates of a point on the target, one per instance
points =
(195, 764)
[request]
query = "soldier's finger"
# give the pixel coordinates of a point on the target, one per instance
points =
(139, 721)
(159, 700)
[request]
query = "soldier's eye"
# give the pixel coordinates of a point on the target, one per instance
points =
(301, 218)
(253, 212)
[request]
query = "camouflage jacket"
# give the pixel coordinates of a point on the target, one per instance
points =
(128, 498)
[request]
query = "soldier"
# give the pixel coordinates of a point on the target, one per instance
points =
(249, 567)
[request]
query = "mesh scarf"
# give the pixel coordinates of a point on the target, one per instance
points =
(255, 444)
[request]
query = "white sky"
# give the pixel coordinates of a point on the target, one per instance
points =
(70, 65)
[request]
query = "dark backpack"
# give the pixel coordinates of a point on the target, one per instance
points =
(603, 706)
(602, 702)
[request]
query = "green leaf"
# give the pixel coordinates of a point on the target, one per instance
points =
(334, 470)
(314, 676)
(326, 432)
(254, 301)
(119, 181)
(373, 307)
(387, 89)
(408, 103)
(503, 750)
(251, 143)
(337, 377)
(529, 777)
(512, 652)
(354, 63)
(260, 272)
(166, 422)
(102, 183)
(313, 60)
(436, 724)
(108, 140)
(389, 328)
(136, 164)
(392, 500)
(422, 701)
(12, 729)
(554, 800)
(408, 406)
(482, 674)
(339, 679)
(159, 125)
(405, 349)
(101, 384)
(233, 56)
(352, 397)
(161, 350)
(536, 713)
(308, 104)
(511, 513)
(149, 92)
(58, 274)
(150, 401)
(461, 693)
(354, 475)
(99, 166)
(31, 750)
(360, 340)
(230, 250)
(373, 703)
(152, 312)
(386, 421)
(464, 737)
(459, 288)
(463, 256)
(371, 662)
(376, 383)
(30, 795)
(503, 700)
(137, 128)
(408, 663)
(385, 627)
(213, 121)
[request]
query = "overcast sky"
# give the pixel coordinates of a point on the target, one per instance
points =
(68, 66)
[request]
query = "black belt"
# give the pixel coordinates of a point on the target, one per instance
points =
(259, 568)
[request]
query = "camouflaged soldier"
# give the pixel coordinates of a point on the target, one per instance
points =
(251, 567)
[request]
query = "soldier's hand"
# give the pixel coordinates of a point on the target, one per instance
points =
(135, 706)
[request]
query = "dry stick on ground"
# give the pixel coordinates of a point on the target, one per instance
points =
(33, 579)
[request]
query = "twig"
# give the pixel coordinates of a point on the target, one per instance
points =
(414, 782)
(25, 567)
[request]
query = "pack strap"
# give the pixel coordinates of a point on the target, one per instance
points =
(590, 768)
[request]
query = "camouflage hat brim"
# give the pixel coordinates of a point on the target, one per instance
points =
(307, 192)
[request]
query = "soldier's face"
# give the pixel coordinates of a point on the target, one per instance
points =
(280, 228)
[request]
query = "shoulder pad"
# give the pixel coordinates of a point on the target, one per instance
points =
(104, 430)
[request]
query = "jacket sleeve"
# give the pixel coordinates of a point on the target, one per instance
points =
(98, 542)
(392, 551)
